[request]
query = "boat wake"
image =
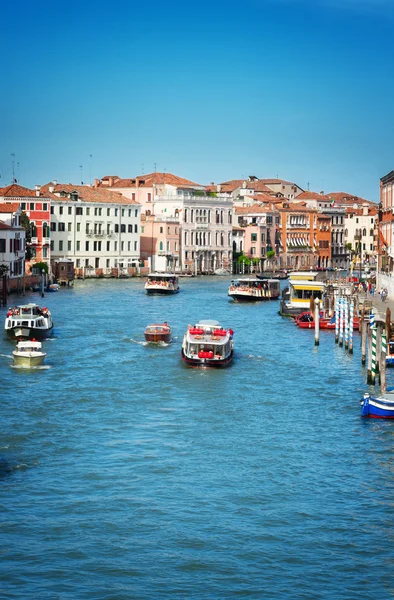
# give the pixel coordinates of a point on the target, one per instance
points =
(138, 342)
(6, 355)
(36, 368)
(254, 357)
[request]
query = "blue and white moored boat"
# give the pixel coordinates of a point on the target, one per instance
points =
(381, 407)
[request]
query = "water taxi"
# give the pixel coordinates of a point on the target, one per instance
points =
(28, 354)
(296, 297)
(378, 407)
(162, 283)
(207, 344)
(160, 332)
(254, 289)
(28, 321)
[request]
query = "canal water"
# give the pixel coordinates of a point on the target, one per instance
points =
(125, 474)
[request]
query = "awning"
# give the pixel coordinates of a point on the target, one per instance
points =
(309, 287)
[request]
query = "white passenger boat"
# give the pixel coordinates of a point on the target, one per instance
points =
(162, 283)
(207, 344)
(297, 297)
(254, 289)
(28, 354)
(28, 321)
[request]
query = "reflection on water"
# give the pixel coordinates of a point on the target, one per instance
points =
(128, 475)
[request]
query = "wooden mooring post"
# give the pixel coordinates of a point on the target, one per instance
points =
(364, 326)
(317, 321)
(369, 363)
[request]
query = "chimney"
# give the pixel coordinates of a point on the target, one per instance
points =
(37, 188)
(110, 181)
(322, 193)
(212, 183)
(219, 188)
(96, 183)
(55, 182)
(51, 188)
(137, 182)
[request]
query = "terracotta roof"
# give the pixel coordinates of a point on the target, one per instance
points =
(255, 208)
(9, 207)
(151, 179)
(346, 198)
(86, 194)
(5, 226)
(372, 211)
(16, 191)
(265, 198)
(313, 196)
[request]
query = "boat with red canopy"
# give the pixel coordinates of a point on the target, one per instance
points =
(306, 321)
(207, 344)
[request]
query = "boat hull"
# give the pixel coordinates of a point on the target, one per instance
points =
(377, 408)
(248, 298)
(158, 337)
(160, 292)
(28, 361)
(28, 333)
(207, 363)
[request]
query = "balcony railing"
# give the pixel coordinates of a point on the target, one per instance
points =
(34, 240)
(46, 241)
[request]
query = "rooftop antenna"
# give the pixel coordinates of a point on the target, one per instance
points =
(13, 167)
(308, 185)
(90, 169)
(81, 167)
(143, 169)
(155, 167)
(17, 171)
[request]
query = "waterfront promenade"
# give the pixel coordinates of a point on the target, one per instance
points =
(126, 474)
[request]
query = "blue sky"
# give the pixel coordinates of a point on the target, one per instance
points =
(208, 90)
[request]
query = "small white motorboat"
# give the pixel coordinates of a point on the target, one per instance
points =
(28, 354)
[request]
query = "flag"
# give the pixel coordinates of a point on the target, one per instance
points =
(382, 238)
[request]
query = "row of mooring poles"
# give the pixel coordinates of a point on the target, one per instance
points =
(374, 338)
(344, 322)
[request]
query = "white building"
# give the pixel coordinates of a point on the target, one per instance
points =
(12, 240)
(360, 232)
(98, 229)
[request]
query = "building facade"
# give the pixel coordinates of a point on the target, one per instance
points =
(37, 207)
(98, 230)
(12, 242)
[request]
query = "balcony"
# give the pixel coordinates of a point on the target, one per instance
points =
(99, 234)
(297, 225)
(34, 240)
(46, 241)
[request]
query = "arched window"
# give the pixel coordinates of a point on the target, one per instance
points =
(345, 232)
(221, 217)
(186, 238)
(45, 230)
(222, 238)
(161, 246)
(230, 217)
(33, 229)
(209, 216)
(217, 239)
(364, 231)
(217, 217)
(191, 215)
(185, 217)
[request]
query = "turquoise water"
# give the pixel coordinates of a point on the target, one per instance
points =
(125, 474)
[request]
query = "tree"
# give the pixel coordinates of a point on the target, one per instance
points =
(270, 253)
(41, 266)
(4, 270)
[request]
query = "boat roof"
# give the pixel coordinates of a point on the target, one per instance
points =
(158, 325)
(299, 284)
(162, 275)
(257, 280)
(305, 275)
(30, 305)
(208, 323)
(29, 344)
